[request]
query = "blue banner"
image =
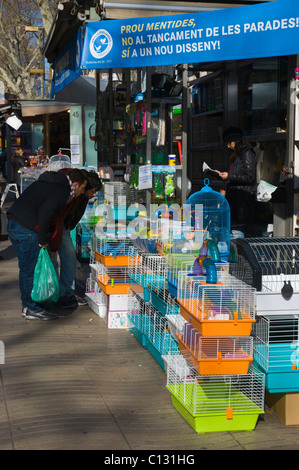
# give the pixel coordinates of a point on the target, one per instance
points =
(264, 30)
(67, 65)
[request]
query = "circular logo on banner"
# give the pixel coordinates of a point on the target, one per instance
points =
(100, 44)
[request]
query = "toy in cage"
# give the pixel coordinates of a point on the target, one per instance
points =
(215, 403)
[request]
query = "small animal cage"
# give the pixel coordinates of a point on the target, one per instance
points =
(178, 263)
(113, 251)
(216, 356)
(139, 311)
(271, 265)
(156, 332)
(144, 268)
(113, 280)
(226, 308)
(96, 298)
(276, 351)
(215, 403)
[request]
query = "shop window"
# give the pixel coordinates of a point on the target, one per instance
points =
(263, 96)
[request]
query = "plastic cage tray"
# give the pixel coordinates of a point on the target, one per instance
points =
(271, 265)
(215, 403)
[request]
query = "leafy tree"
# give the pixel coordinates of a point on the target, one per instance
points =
(21, 49)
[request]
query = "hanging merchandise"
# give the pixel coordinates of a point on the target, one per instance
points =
(158, 189)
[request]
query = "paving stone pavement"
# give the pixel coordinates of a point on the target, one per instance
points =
(74, 384)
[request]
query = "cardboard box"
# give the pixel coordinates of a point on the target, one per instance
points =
(116, 319)
(285, 405)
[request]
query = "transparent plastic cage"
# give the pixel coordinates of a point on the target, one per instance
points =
(226, 308)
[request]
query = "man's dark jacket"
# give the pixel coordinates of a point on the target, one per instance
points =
(36, 206)
(241, 187)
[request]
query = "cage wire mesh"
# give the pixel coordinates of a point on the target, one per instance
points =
(156, 331)
(229, 299)
(276, 346)
(204, 395)
(144, 267)
(139, 310)
(216, 355)
(96, 298)
(267, 263)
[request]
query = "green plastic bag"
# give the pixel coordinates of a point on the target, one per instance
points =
(45, 282)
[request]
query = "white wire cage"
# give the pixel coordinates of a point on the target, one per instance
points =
(215, 403)
(144, 267)
(216, 355)
(276, 343)
(226, 308)
(186, 263)
(270, 265)
(96, 298)
(161, 298)
(156, 331)
(113, 251)
(113, 279)
(139, 310)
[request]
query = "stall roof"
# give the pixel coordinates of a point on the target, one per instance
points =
(119, 9)
(82, 90)
(39, 107)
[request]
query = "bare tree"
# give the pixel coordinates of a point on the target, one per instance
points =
(20, 48)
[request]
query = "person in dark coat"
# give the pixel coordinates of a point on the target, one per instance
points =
(240, 181)
(65, 221)
(29, 227)
(18, 162)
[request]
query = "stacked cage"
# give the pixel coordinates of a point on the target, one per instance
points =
(218, 388)
(150, 327)
(271, 265)
(144, 269)
(276, 351)
(109, 262)
(215, 403)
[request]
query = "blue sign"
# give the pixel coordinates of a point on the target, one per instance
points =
(67, 65)
(264, 30)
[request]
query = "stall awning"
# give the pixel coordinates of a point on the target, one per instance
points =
(263, 30)
(39, 107)
(119, 9)
(80, 91)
